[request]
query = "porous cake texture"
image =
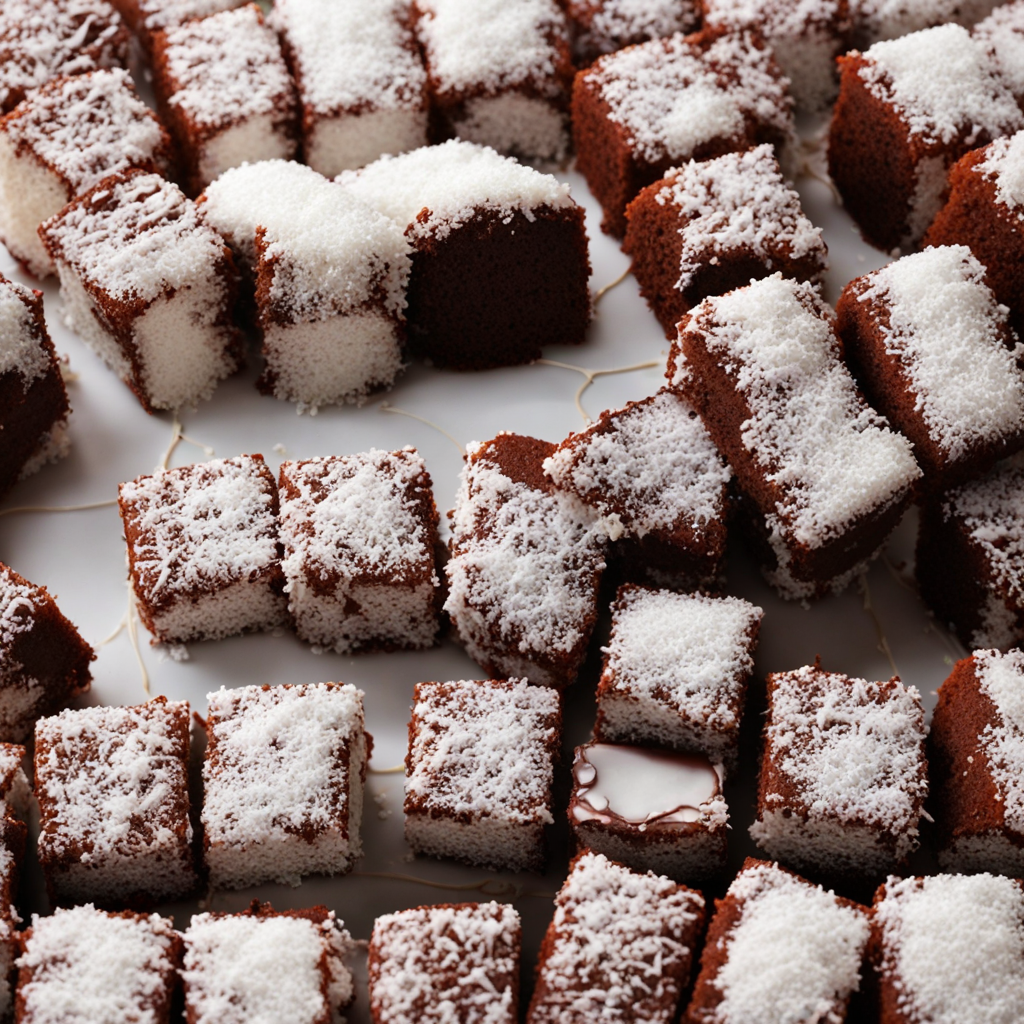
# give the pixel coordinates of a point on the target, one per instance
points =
(652, 473)
(479, 771)
(44, 662)
(330, 277)
(145, 17)
(620, 947)
(41, 39)
(713, 225)
(823, 477)
(112, 786)
(84, 964)
(893, 108)
(69, 135)
(604, 26)
(525, 564)
(283, 783)
(779, 950)
(34, 405)
(149, 287)
(203, 551)
(843, 775)
(676, 670)
(949, 948)
(360, 77)
(648, 108)
(453, 961)
(499, 253)
(265, 966)
(499, 74)
(225, 93)
(360, 541)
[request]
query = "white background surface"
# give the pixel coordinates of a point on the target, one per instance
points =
(80, 557)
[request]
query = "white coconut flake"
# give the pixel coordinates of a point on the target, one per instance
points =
(1001, 679)
(157, 14)
(21, 349)
(615, 23)
(1002, 35)
(1004, 165)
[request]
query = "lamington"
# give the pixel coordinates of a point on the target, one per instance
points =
(619, 949)
(42, 39)
(499, 74)
(479, 771)
(360, 77)
(948, 378)
(225, 94)
(452, 961)
(203, 551)
(44, 662)
(34, 405)
(283, 783)
(144, 17)
(708, 227)
(676, 670)
(525, 565)
(13, 835)
(148, 287)
(499, 253)
(15, 791)
(949, 948)
(266, 965)
(823, 478)
(1002, 35)
(360, 543)
(65, 138)
(875, 20)
(843, 775)
(82, 963)
(805, 38)
(329, 276)
(652, 473)
(112, 786)
(976, 762)
(970, 558)
(984, 210)
(652, 810)
(651, 107)
(604, 26)
(778, 950)
(895, 113)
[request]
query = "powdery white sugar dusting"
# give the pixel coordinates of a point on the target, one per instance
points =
(967, 98)
(816, 438)
(1004, 165)
(491, 45)
(138, 239)
(956, 946)
(853, 749)
(620, 943)
(453, 182)
(21, 350)
(88, 965)
(739, 201)
(794, 955)
(1001, 678)
(689, 650)
(1002, 35)
(969, 389)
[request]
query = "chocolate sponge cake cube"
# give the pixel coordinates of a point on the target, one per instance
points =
(146, 17)
(452, 961)
(479, 771)
(203, 551)
(875, 20)
(651, 107)
(710, 226)
(65, 138)
(266, 963)
(283, 783)
(779, 949)
(149, 287)
(34, 405)
(823, 478)
(976, 757)
(112, 786)
(360, 542)
(225, 93)
(843, 774)
(499, 253)
(604, 26)
(525, 565)
(890, 115)
(44, 662)
(611, 926)
(1002, 35)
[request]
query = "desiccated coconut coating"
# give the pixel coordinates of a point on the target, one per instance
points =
(875, 20)
(148, 16)
(604, 26)
(1002, 34)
